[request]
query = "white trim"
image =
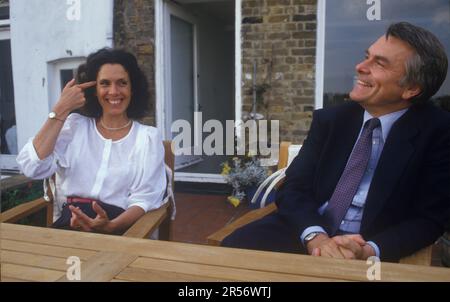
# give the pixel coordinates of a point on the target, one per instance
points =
(167, 72)
(5, 33)
(320, 53)
(6, 22)
(159, 67)
(238, 66)
(199, 177)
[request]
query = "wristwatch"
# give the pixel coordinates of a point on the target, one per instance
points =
(310, 237)
(52, 116)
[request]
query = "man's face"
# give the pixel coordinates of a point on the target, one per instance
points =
(378, 87)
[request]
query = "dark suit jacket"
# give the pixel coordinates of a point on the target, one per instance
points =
(408, 202)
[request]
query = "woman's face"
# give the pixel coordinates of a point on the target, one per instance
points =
(113, 89)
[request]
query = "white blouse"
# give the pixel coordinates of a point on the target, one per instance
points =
(125, 173)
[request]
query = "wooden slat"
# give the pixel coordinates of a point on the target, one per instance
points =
(284, 155)
(147, 275)
(216, 272)
(3, 279)
(104, 266)
(23, 210)
(29, 273)
(27, 259)
(225, 257)
(148, 223)
(217, 237)
(46, 250)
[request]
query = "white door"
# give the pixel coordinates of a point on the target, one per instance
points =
(180, 58)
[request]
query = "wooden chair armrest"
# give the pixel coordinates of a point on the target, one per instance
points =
(149, 222)
(422, 257)
(23, 210)
(217, 237)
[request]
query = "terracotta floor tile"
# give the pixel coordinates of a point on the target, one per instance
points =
(198, 216)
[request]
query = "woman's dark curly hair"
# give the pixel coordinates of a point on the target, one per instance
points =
(139, 103)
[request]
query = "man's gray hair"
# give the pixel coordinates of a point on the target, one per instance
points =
(427, 67)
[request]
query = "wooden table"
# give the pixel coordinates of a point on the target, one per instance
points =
(40, 254)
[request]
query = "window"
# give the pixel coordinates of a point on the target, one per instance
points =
(8, 138)
(348, 32)
(60, 73)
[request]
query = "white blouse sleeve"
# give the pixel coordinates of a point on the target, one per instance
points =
(150, 181)
(33, 167)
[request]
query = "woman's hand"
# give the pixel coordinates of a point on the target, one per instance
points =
(72, 97)
(100, 223)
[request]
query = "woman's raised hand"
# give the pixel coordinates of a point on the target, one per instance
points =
(72, 97)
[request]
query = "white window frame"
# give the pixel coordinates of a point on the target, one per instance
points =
(54, 76)
(7, 161)
(320, 53)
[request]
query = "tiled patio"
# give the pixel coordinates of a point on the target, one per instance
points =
(198, 216)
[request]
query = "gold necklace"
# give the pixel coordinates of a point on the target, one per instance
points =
(114, 129)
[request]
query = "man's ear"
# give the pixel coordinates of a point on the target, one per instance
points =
(411, 92)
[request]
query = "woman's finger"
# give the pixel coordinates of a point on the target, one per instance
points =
(87, 85)
(69, 84)
(99, 210)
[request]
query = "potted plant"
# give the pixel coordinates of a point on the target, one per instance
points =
(244, 174)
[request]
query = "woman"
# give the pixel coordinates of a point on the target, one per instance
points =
(100, 155)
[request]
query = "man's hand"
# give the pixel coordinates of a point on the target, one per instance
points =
(322, 245)
(81, 221)
(346, 246)
(352, 244)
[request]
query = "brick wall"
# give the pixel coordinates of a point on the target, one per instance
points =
(134, 24)
(281, 36)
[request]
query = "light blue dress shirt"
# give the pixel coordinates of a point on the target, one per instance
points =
(351, 223)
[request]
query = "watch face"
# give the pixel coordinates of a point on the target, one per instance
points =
(52, 115)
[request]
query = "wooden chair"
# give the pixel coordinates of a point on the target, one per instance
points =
(422, 257)
(159, 219)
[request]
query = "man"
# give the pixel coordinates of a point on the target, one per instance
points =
(373, 175)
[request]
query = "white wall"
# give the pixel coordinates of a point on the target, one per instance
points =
(42, 36)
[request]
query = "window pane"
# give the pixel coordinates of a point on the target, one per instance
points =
(7, 113)
(4, 11)
(66, 75)
(348, 33)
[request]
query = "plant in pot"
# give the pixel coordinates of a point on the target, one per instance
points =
(244, 174)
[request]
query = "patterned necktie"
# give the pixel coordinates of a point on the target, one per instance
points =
(351, 177)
